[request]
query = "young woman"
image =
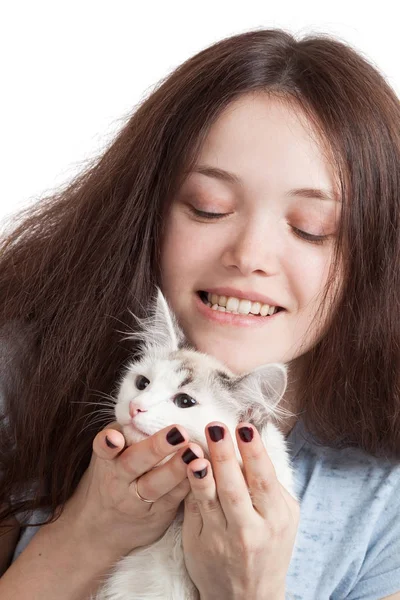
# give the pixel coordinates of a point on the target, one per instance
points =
(265, 169)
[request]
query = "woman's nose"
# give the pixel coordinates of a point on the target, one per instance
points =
(255, 248)
(135, 408)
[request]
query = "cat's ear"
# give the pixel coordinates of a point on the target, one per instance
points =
(259, 392)
(159, 332)
(164, 327)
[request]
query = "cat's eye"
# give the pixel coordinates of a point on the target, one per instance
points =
(141, 382)
(184, 401)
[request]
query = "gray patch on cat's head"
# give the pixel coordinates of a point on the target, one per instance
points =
(228, 382)
(188, 373)
(185, 370)
(223, 376)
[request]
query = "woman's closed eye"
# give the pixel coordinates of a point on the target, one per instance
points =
(304, 235)
(207, 215)
(310, 237)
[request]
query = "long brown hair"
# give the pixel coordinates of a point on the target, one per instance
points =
(79, 261)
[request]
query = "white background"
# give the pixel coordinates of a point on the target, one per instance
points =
(72, 72)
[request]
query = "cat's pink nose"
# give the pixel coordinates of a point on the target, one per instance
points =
(134, 409)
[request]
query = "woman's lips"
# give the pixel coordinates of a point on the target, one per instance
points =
(226, 318)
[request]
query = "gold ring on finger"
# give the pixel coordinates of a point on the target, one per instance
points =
(139, 496)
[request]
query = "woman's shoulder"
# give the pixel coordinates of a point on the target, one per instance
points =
(347, 469)
(349, 527)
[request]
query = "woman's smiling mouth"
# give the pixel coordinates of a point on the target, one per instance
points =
(235, 311)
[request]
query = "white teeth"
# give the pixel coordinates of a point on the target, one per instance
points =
(239, 306)
(222, 300)
(255, 308)
(232, 304)
(244, 307)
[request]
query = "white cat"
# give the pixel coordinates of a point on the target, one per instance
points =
(174, 384)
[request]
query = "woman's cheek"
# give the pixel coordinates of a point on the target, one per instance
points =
(309, 267)
(183, 251)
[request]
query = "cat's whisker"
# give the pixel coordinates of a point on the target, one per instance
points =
(100, 415)
(93, 422)
(98, 425)
(106, 412)
(93, 403)
(102, 394)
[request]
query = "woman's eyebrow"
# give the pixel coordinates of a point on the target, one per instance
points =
(217, 174)
(229, 177)
(314, 193)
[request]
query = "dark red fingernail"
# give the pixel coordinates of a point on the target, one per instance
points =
(246, 434)
(200, 474)
(188, 456)
(175, 437)
(110, 444)
(216, 433)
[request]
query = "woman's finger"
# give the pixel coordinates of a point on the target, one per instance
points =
(142, 456)
(109, 442)
(163, 480)
(262, 482)
(228, 483)
(202, 506)
(231, 484)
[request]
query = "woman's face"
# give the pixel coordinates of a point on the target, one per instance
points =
(263, 174)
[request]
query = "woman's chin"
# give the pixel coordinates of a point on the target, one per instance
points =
(239, 361)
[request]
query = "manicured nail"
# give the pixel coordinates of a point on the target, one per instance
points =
(188, 456)
(216, 433)
(200, 474)
(110, 444)
(175, 437)
(246, 434)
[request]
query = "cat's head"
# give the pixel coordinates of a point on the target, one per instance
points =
(174, 384)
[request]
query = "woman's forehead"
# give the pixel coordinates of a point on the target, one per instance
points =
(262, 142)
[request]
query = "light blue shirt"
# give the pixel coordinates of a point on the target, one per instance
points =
(348, 542)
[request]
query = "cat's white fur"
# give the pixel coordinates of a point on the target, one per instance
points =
(157, 571)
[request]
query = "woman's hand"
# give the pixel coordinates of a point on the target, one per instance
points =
(105, 507)
(239, 528)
